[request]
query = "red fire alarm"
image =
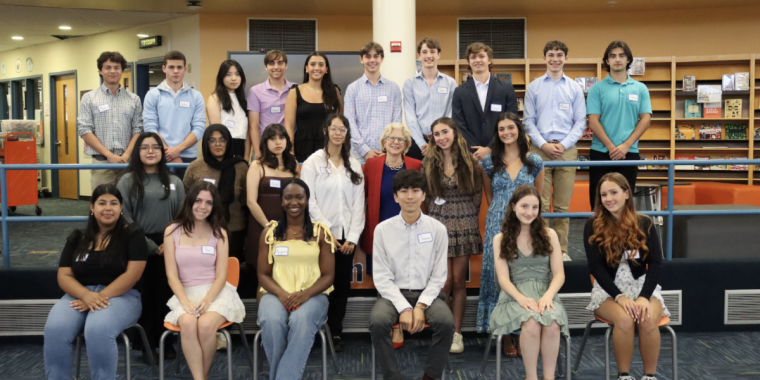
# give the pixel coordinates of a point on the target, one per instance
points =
(395, 46)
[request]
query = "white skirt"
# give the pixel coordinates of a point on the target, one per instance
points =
(227, 303)
(631, 287)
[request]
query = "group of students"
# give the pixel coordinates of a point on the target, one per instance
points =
(298, 227)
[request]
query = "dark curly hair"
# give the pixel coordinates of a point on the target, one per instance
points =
(510, 227)
(498, 150)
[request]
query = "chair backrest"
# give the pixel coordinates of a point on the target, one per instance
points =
(233, 271)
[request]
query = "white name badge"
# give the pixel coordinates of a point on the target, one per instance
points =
(495, 107)
(230, 124)
(208, 250)
(439, 201)
(427, 237)
(104, 107)
(280, 251)
(275, 110)
(275, 183)
(325, 170)
(210, 180)
(564, 106)
(630, 256)
(633, 97)
(184, 104)
(382, 99)
(443, 90)
(172, 187)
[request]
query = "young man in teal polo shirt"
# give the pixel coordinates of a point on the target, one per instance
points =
(619, 112)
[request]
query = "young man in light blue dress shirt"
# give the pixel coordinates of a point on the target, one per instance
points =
(555, 118)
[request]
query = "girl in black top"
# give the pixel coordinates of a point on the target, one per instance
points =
(99, 269)
(625, 258)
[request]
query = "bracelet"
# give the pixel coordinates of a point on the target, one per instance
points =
(405, 310)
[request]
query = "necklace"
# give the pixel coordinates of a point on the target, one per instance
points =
(295, 233)
(401, 165)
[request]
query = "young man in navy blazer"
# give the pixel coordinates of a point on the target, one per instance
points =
(479, 101)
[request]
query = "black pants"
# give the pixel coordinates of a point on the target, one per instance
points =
(156, 292)
(336, 311)
(238, 148)
(415, 151)
(595, 173)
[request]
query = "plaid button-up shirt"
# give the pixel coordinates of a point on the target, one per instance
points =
(113, 119)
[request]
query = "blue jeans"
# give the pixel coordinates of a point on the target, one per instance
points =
(288, 337)
(101, 328)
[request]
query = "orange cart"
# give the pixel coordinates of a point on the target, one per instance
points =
(21, 148)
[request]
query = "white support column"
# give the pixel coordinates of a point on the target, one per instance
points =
(395, 20)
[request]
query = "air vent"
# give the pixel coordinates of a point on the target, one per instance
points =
(290, 36)
(61, 37)
(506, 36)
(33, 313)
(742, 307)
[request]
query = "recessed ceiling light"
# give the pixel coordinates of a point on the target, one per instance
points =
(63, 27)
(142, 35)
(17, 38)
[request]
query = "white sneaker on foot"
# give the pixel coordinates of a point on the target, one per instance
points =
(457, 346)
(221, 342)
(648, 378)
(626, 377)
(566, 257)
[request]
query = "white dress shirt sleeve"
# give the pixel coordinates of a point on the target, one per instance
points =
(357, 208)
(309, 175)
(384, 277)
(440, 270)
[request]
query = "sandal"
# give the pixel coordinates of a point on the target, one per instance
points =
(512, 352)
(397, 334)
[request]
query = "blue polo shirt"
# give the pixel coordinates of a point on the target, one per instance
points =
(619, 106)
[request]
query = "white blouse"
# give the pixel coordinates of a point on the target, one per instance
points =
(236, 122)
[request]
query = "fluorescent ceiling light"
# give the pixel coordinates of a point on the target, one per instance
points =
(63, 27)
(17, 38)
(142, 35)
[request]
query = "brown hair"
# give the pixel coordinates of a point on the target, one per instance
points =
(555, 45)
(372, 46)
(113, 56)
(466, 169)
(614, 45)
(510, 227)
(186, 219)
(430, 42)
(273, 55)
(175, 56)
(475, 48)
(613, 237)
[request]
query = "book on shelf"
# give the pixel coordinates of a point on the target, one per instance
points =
(709, 131)
(465, 77)
(709, 93)
(741, 81)
(587, 134)
(689, 83)
(738, 166)
(712, 111)
(701, 158)
(716, 166)
(684, 167)
(658, 157)
(590, 82)
(686, 132)
(756, 135)
(733, 109)
(506, 77)
(736, 131)
(638, 67)
(728, 82)
(692, 109)
(643, 157)
(583, 157)
(520, 104)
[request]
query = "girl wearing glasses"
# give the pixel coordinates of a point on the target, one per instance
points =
(337, 201)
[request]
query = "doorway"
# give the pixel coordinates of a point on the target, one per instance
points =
(65, 150)
(148, 75)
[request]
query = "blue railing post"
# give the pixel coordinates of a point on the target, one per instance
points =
(671, 191)
(4, 200)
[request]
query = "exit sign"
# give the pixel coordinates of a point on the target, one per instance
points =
(150, 42)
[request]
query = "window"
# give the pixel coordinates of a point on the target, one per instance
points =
(291, 36)
(506, 36)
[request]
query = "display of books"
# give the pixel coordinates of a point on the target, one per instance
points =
(658, 157)
(643, 157)
(689, 83)
(685, 132)
(583, 158)
(692, 109)
(711, 110)
(701, 158)
(756, 134)
(587, 134)
(741, 81)
(737, 166)
(733, 108)
(728, 82)
(709, 93)
(465, 77)
(520, 104)
(718, 167)
(684, 167)
(590, 82)
(709, 132)
(638, 67)
(506, 77)
(736, 132)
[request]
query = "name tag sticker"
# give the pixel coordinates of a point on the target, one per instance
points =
(631, 256)
(427, 237)
(382, 99)
(280, 251)
(184, 104)
(275, 110)
(439, 201)
(208, 250)
(633, 97)
(104, 107)
(275, 183)
(210, 180)
(564, 106)
(230, 124)
(443, 90)
(325, 170)
(172, 187)
(495, 107)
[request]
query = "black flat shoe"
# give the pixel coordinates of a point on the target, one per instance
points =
(169, 352)
(338, 344)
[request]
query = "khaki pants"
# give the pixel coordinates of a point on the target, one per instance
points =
(103, 176)
(562, 179)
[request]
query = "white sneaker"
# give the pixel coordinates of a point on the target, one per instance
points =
(457, 346)
(566, 257)
(221, 342)
(626, 377)
(648, 378)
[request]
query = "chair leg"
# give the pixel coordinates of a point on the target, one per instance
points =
(229, 352)
(449, 367)
(161, 343)
(79, 357)
(568, 347)
(144, 337)
(498, 356)
(179, 354)
(256, 355)
(127, 361)
(336, 368)
(324, 354)
(675, 351)
(579, 355)
(485, 356)
(560, 364)
(244, 338)
(373, 375)
(607, 353)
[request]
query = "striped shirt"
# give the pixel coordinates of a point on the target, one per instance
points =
(369, 109)
(113, 119)
(424, 103)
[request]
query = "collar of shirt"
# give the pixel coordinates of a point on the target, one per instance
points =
(108, 92)
(478, 84)
(546, 76)
(609, 80)
(404, 224)
(165, 86)
(438, 75)
(364, 79)
(268, 86)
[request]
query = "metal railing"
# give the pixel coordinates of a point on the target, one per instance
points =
(670, 213)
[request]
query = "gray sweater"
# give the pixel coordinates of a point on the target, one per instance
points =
(155, 214)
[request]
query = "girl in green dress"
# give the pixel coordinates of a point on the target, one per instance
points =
(528, 263)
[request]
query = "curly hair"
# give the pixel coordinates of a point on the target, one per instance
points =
(498, 149)
(510, 227)
(613, 236)
(464, 166)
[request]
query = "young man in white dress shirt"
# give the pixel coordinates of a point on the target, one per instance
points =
(409, 260)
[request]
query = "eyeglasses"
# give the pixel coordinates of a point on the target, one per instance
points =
(399, 140)
(221, 141)
(336, 129)
(146, 148)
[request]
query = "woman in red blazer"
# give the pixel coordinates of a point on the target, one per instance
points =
(378, 179)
